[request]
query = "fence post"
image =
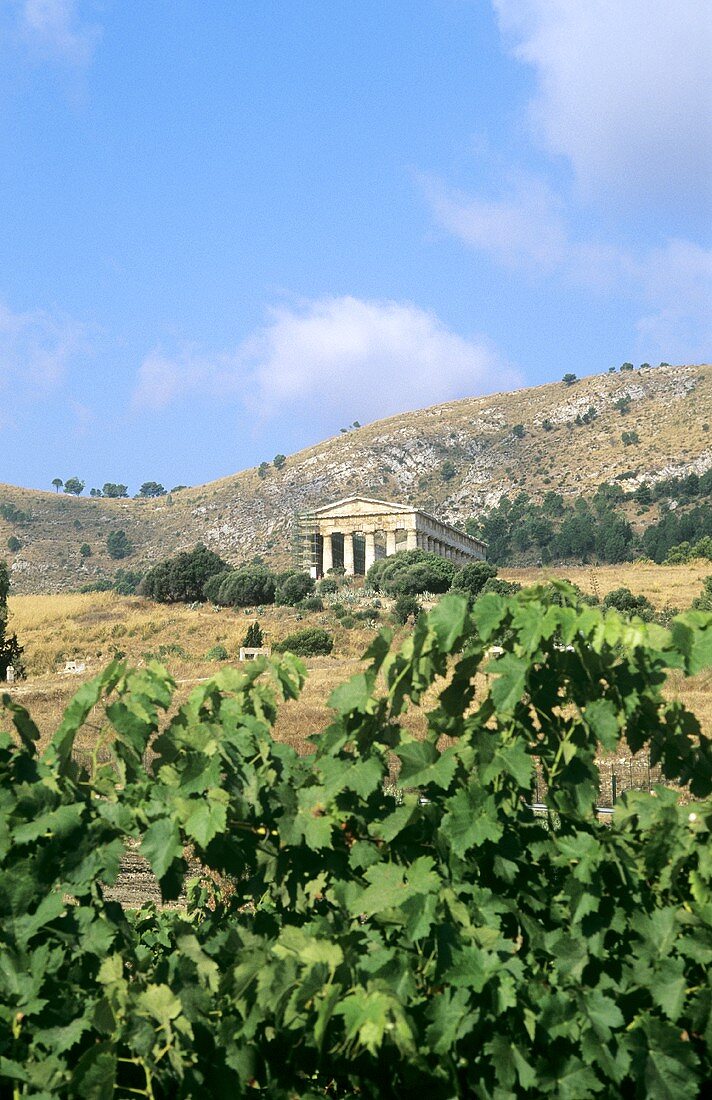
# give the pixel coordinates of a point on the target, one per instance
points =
(614, 787)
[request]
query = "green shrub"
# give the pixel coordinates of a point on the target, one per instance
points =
(312, 603)
(292, 587)
(118, 545)
(217, 653)
(13, 544)
(406, 607)
(471, 579)
(411, 572)
(327, 586)
(182, 579)
(254, 638)
(248, 586)
(623, 600)
(311, 642)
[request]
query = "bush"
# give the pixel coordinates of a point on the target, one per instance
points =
(292, 587)
(411, 572)
(13, 544)
(182, 579)
(471, 579)
(447, 470)
(441, 940)
(623, 600)
(249, 586)
(254, 638)
(327, 586)
(217, 653)
(85, 550)
(569, 379)
(118, 545)
(406, 607)
(311, 642)
(312, 603)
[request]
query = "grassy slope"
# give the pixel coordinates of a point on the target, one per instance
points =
(398, 458)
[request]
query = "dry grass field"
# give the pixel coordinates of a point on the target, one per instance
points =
(95, 627)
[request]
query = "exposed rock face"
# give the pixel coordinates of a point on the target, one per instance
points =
(670, 411)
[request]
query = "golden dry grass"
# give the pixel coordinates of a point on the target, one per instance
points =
(94, 627)
(664, 585)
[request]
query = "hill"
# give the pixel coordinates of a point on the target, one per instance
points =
(454, 460)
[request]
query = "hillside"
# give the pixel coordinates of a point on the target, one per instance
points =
(557, 436)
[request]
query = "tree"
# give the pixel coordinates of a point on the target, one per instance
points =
(152, 489)
(411, 572)
(518, 431)
(627, 367)
(263, 470)
(13, 544)
(85, 550)
(569, 379)
(278, 461)
(471, 579)
(248, 586)
(254, 638)
(74, 486)
(114, 490)
(118, 545)
(447, 470)
(95, 493)
(292, 587)
(177, 488)
(547, 425)
(623, 600)
(183, 578)
(58, 483)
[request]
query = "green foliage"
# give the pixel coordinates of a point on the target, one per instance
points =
(217, 653)
(518, 431)
(151, 489)
(327, 586)
(74, 486)
(254, 638)
(13, 514)
(312, 603)
(115, 490)
(547, 425)
(629, 439)
(292, 587)
(447, 470)
(685, 551)
(263, 469)
(627, 367)
(623, 404)
(471, 579)
(410, 572)
(85, 550)
(14, 544)
(310, 642)
(183, 578)
(248, 586)
(703, 602)
(10, 649)
(278, 461)
(125, 582)
(623, 600)
(569, 379)
(445, 942)
(406, 607)
(118, 545)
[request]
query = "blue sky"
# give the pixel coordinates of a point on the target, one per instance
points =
(229, 228)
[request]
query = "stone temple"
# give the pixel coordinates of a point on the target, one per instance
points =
(353, 533)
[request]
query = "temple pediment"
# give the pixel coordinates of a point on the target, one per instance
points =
(360, 506)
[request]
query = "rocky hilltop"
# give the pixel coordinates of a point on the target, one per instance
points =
(453, 460)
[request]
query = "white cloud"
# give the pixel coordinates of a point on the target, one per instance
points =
(36, 348)
(527, 229)
(335, 357)
(677, 283)
(521, 230)
(56, 26)
(623, 90)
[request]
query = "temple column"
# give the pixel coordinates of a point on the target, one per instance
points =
(370, 539)
(349, 554)
(390, 543)
(411, 540)
(327, 555)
